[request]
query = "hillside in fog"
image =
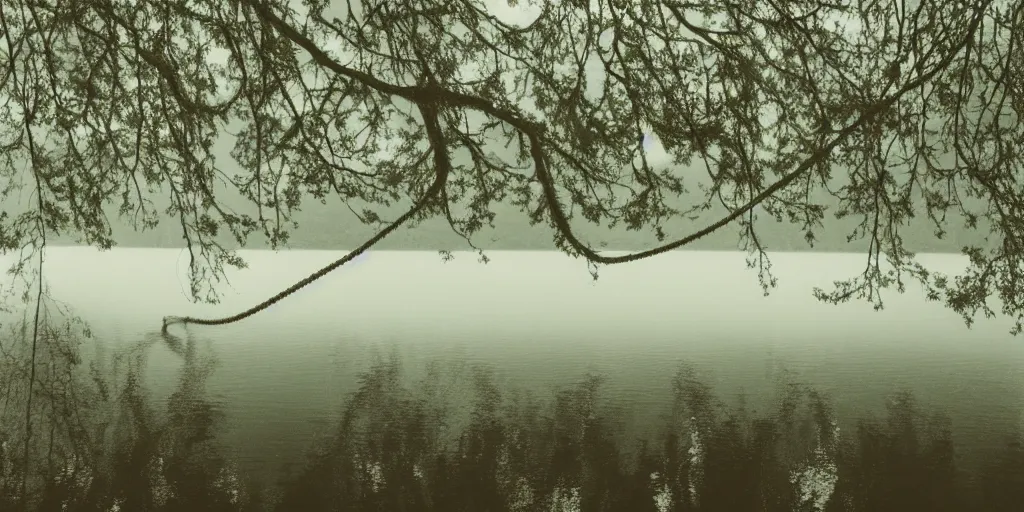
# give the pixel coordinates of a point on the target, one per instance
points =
(333, 226)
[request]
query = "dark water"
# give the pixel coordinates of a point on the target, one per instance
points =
(402, 382)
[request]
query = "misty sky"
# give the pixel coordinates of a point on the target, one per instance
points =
(334, 226)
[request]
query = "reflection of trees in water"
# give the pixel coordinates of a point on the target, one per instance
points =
(389, 454)
(60, 439)
(412, 446)
(98, 444)
(1003, 482)
(173, 464)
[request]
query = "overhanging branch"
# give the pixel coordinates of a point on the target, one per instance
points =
(442, 168)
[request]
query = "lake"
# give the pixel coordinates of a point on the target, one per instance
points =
(539, 323)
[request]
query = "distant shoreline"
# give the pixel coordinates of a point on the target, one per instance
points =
(384, 248)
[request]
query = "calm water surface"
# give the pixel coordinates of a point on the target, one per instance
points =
(539, 321)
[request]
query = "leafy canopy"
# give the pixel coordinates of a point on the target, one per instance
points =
(804, 109)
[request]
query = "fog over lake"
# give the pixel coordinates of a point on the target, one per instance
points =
(403, 382)
(540, 321)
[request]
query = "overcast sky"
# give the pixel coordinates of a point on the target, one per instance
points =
(334, 226)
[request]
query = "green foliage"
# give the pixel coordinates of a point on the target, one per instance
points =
(880, 112)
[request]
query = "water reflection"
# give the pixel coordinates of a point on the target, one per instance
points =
(101, 443)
